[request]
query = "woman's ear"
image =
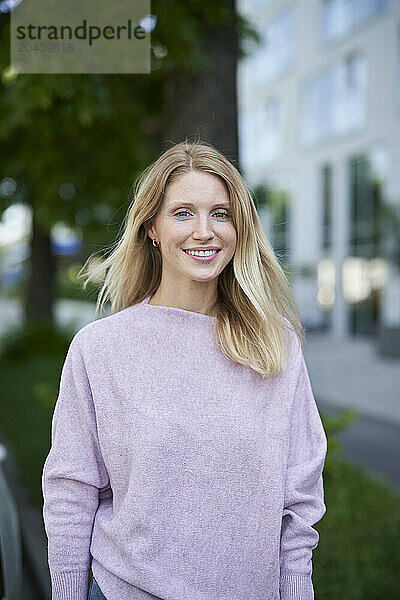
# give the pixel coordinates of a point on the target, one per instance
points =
(150, 231)
(148, 227)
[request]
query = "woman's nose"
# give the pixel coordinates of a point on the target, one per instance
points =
(203, 228)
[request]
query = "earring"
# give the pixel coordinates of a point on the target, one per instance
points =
(156, 243)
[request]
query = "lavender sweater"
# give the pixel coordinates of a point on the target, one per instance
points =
(176, 473)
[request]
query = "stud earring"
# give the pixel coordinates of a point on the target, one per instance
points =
(156, 243)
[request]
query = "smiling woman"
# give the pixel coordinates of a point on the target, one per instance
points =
(192, 199)
(187, 448)
(204, 232)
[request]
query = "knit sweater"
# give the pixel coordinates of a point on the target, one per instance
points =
(176, 473)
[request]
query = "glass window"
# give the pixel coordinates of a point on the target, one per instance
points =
(326, 192)
(335, 102)
(398, 67)
(250, 137)
(272, 146)
(257, 4)
(278, 204)
(260, 134)
(273, 196)
(320, 110)
(340, 17)
(355, 101)
(365, 194)
(247, 125)
(366, 198)
(277, 51)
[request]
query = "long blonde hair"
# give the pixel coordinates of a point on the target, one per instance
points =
(255, 305)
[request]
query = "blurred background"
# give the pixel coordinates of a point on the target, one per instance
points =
(303, 96)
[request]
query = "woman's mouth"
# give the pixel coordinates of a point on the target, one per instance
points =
(202, 256)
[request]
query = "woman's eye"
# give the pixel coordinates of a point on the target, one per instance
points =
(186, 212)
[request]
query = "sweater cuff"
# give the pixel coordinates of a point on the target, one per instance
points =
(296, 587)
(70, 585)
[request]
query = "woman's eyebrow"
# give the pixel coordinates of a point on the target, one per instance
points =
(218, 204)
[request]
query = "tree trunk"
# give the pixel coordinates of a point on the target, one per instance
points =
(203, 105)
(41, 277)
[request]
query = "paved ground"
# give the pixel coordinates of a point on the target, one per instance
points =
(351, 373)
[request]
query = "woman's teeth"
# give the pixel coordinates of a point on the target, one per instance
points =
(201, 252)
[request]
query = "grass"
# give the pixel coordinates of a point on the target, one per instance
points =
(27, 397)
(358, 556)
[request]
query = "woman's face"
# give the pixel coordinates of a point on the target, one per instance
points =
(195, 213)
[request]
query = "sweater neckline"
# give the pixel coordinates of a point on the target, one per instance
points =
(181, 311)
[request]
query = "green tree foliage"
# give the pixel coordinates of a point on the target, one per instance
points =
(74, 143)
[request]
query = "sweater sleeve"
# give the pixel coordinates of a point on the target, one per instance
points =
(304, 493)
(72, 475)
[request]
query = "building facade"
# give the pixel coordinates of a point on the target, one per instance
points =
(319, 135)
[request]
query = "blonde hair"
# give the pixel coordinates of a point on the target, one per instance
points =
(255, 305)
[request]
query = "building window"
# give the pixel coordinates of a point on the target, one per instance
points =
(398, 68)
(273, 198)
(366, 190)
(257, 5)
(365, 194)
(335, 102)
(277, 52)
(355, 93)
(272, 137)
(250, 128)
(260, 134)
(278, 200)
(340, 17)
(320, 101)
(326, 193)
